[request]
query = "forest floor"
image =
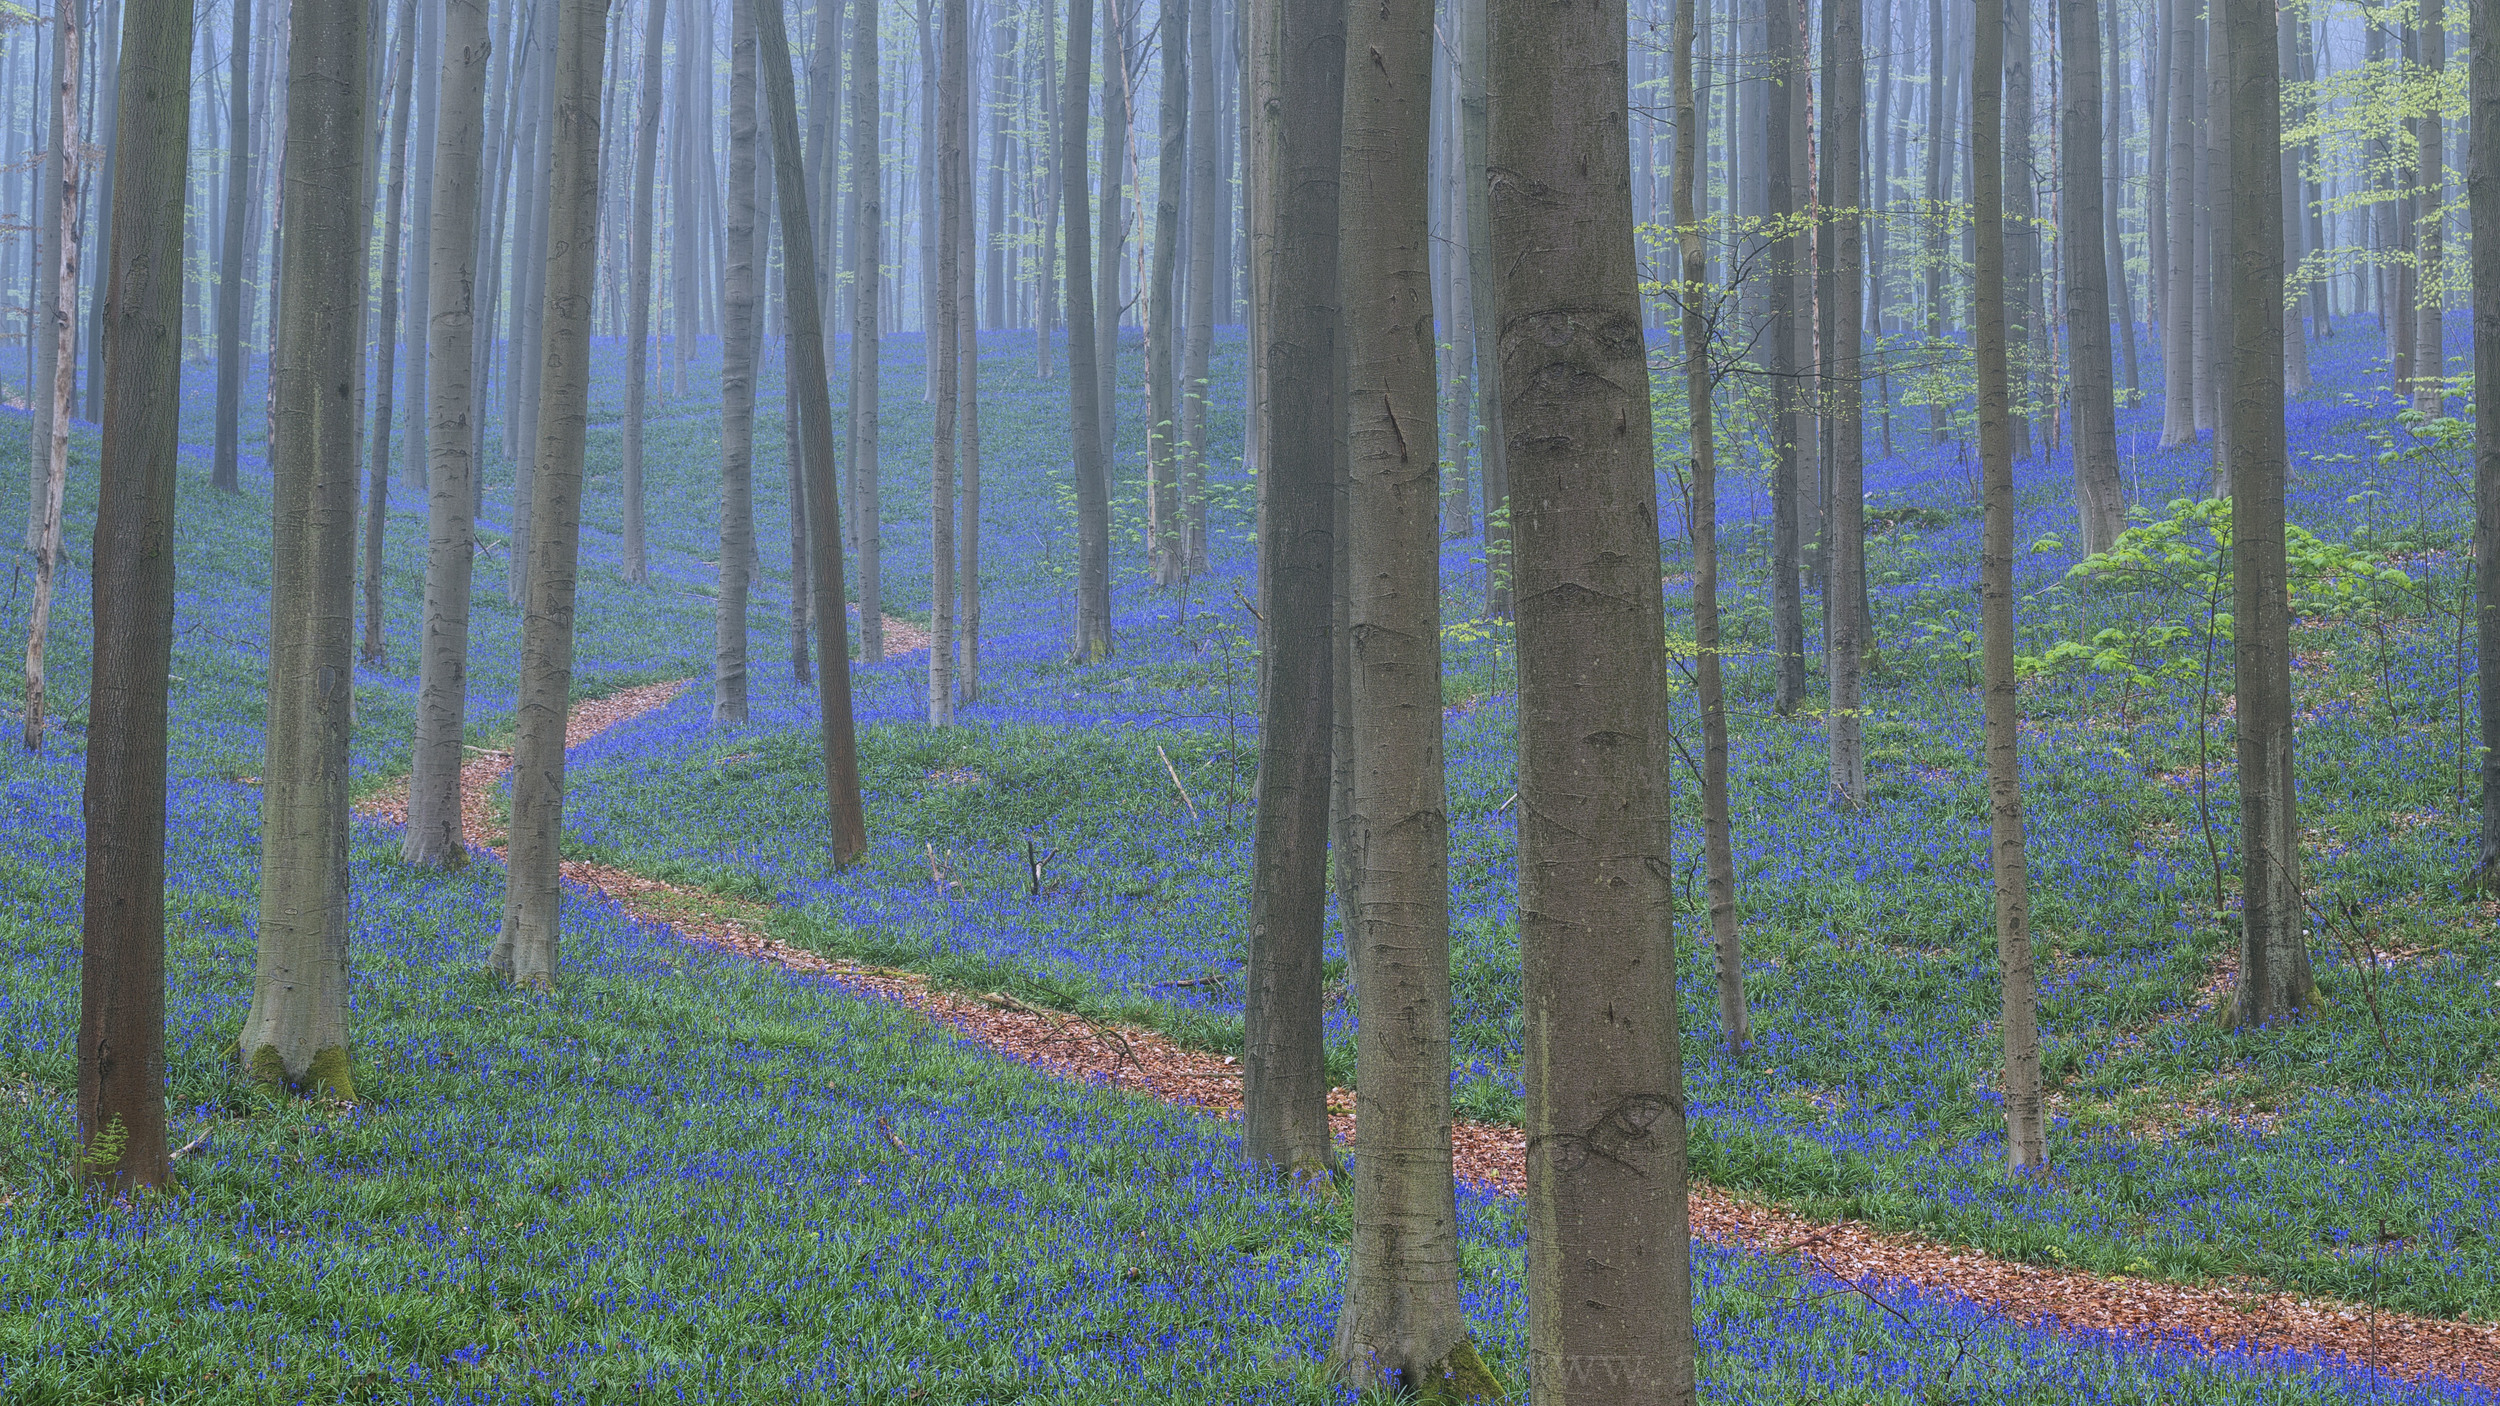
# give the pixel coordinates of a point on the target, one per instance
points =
(688, 1172)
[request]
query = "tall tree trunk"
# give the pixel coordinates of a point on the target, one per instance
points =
(296, 1033)
(54, 227)
(419, 289)
(1167, 547)
(121, 978)
(1210, 214)
(525, 947)
(947, 310)
(737, 387)
(1844, 531)
(1788, 629)
(638, 298)
(2178, 318)
(1735, 1022)
(1491, 445)
(2100, 495)
(2430, 363)
(2482, 191)
(2295, 343)
(2275, 982)
(1117, 121)
(1939, 156)
(2113, 187)
(686, 196)
(2314, 198)
(386, 345)
(967, 434)
(2022, 234)
(108, 46)
(815, 405)
(2156, 163)
(434, 837)
(2019, 1019)
(2218, 207)
(867, 312)
(1608, 1228)
(51, 476)
(231, 268)
(1085, 417)
(1400, 1330)
(1297, 87)
(1045, 315)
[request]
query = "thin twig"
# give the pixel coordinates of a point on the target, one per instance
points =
(187, 1148)
(1174, 773)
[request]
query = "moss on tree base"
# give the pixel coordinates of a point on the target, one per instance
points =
(328, 1073)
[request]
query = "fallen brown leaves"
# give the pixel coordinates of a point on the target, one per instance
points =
(1495, 1156)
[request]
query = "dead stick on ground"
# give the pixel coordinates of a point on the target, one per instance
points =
(1171, 771)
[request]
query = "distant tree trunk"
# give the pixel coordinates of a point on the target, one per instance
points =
(2100, 495)
(434, 837)
(1939, 157)
(296, 1033)
(1788, 629)
(1491, 447)
(737, 387)
(1117, 120)
(51, 477)
(2482, 186)
(1400, 1329)
(2218, 209)
(967, 427)
(1046, 302)
(686, 196)
(525, 947)
(231, 270)
(107, 37)
(121, 979)
(638, 299)
(1167, 546)
(2319, 286)
(1210, 214)
(2019, 1020)
(2022, 238)
(2113, 185)
(1844, 530)
(1735, 1022)
(2430, 362)
(1607, 1224)
(815, 407)
(1458, 512)
(523, 353)
(1085, 417)
(867, 310)
(386, 345)
(418, 291)
(1297, 83)
(2178, 347)
(947, 311)
(2275, 981)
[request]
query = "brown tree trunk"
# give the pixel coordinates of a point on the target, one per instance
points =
(121, 978)
(2100, 495)
(1788, 629)
(1086, 420)
(2482, 186)
(1608, 1225)
(2430, 362)
(947, 310)
(2018, 1022)
(737, 385)
(867, 315)
(1297, 53)
(1844, 533)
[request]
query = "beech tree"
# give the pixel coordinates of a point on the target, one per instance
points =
(2100, 495)
(638, 296)
(525, 947)
(1844, 531)
(435, 838)
(121, 979)
(867, 299)
(1085, 409)
(804, 310)
(1400, 1330)
(1788, 628)
(1295, 114)
(1608, 1227)
(2019, 1019)
(737, 386)
(1167, 545)
(2275, 982)
(1208, 203)
(386, 343)
(945, 332)
(59, 369)
(295, 1035)
(2482, 190)
(224, 457)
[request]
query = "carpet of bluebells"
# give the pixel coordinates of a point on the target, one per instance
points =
(681, 1176)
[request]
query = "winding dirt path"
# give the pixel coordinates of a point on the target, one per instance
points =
(1493, 1155)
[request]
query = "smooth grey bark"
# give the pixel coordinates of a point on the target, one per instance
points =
(1210, 208)
(1844, 530)
(1110, 237)
(2024, 333)
(107, 37)
(867, 305)
(1608, 1224)
(1400, 1330)
(1090, 460)
(434, 837)
(686, 196)
(2178, 348)
(2275, 981)
(2218, 211)
(1166, 543)
(121, 979)
(1699, 307)
(50, 233)
(1046, 293)
(1788, 629)
(2113, 186)
(50, 470)
(2482, 193)
(947, 310)
(2430, 361)
(224, 457)
(638, 295)
(967, 437)
(525, 947)
(815, 404)
(1492, 447)
(419, 289)
(1938, 159)
(2100, 495)
(1296, 85)
(2019, 1005)
(377, 504)
(737, 387)
(2296, 380)
(295, 1035)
